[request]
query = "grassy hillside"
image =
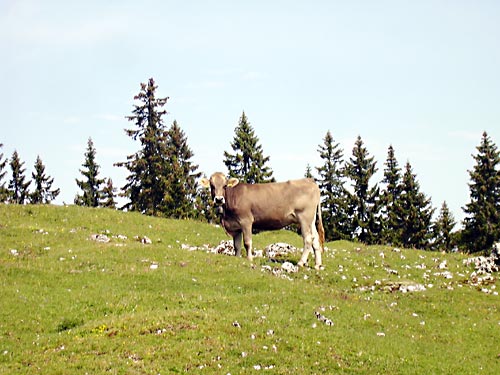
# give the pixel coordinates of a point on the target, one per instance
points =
(72, 305)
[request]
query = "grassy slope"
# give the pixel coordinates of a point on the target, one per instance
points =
(71, 305)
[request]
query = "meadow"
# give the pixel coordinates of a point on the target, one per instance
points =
(72, 305)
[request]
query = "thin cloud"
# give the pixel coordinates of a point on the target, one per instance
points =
(251, 76)
(72, 120)
(110, 117)
(467, 135)
(208, 84)
(34, 23)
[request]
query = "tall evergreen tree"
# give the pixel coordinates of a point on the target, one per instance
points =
(3, 190)
(308, 173)
(443, 227)
(182, 182)
(108, 195)
(43, 185)
(248, 161)
(91, 183)
(414, 212)
(334, 195)
(389, 195)
(204, 206)
(481, 225)
(18, 188)
(149, 168)
(365, 201)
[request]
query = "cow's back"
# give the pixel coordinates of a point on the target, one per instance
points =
(272, 205)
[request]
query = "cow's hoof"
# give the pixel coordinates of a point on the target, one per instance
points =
(319, 267)
(250, 258)
(300, 264)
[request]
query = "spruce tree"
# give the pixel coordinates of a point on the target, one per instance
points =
(334, 196)
(3, 190)
(91, 183)
(414, 212)
(147, 184)
(389, 195)
(481, 225)
(182, 181)
(308, 173)
(18, 188)
(204, 206)
(43, 185)
(365, 200)
(108, 195)
(248, 161)
(443, 226)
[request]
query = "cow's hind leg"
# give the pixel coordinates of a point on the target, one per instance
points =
(308, 239)
(311, 242)
(237, 244)
(317, 247)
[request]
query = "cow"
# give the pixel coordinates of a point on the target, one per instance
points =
(269, 206)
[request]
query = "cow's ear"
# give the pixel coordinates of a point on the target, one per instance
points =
(233, 182)
(205, 182)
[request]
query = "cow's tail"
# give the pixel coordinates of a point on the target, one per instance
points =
(319, 227)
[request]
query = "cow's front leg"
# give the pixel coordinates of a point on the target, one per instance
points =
(247, 239)
(237, 244)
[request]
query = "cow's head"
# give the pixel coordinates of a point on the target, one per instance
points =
(218, 184)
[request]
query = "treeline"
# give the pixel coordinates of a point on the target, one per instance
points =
(162, 181)
(17, 189)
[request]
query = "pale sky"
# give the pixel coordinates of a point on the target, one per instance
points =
(421, 75)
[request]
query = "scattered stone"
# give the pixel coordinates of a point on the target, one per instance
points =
(394, 287)
(224, 247)
(188, 247)
(144, 240)
(484, 268)
(99, 238)
(323, 318)
(279, 249)
(443, 265)
(289, 267)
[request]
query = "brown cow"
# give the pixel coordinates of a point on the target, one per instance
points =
(269, 206)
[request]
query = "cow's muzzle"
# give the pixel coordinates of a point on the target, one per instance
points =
(219, 200)
(219, 204)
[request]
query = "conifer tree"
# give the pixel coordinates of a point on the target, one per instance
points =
(43, 185)
(334, 196)
(248, 161)
(149, 168)
(108, 195)
(204, 206)
(443, 226)
(365, 201)
(182, 181)
(18, 188)
(3, 190)
(308, 173)
(414, 212)
(481, 225)
(91, 183)
(389, 195)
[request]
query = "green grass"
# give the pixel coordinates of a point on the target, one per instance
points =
(72, 305)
